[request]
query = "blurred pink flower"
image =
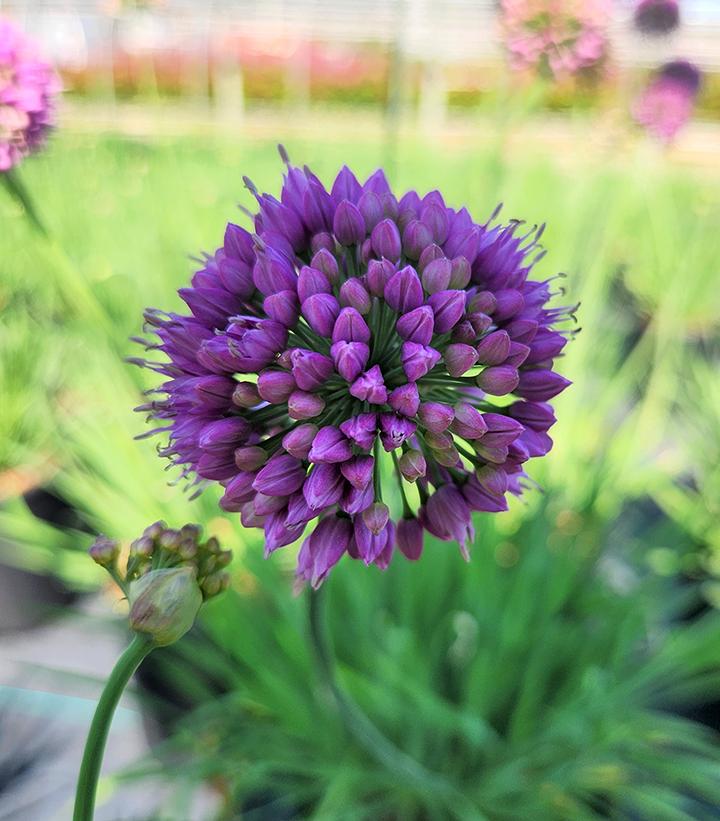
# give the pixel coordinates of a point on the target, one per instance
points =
(668, 102)
(27, 87)
(556, 37)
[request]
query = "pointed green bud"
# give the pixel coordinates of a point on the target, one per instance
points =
(164, 603)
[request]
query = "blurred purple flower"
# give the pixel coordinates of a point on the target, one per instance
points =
(655, 17)
(668, 102)
(408, 367)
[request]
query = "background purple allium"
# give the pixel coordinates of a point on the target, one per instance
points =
(668, 102)
(556, 37)
(27, 88)
(353, 329)
(657, 16)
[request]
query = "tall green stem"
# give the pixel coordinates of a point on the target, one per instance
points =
(370, 738)
(126, 665)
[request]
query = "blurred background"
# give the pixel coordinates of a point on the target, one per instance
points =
(572, 669)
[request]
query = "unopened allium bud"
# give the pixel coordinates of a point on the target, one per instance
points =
(164, 604)
(392, 324)
(104, 551)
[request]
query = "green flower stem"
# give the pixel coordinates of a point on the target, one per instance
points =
(126, 665)
(373, 741)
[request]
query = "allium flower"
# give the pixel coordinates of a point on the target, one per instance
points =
(27, 88)
(667, 103)
(556, 37)
(656, 17)
(356, 336)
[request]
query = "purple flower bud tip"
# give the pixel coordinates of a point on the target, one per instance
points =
(436, 276)
(435, 416)
(541, 385)
(370, 387)
(298, 441)
(303, 405)
(499, 380)
(350, 358)
(394, 430)
(412, 465)
(459, 358)
(501, 430)
(321, 311)
(494, 348)
(330, 445)
(385, 239)
(310, 370)
(312, 281)
(468, 422)
(416, 237)
(350, 327)
(348, 224)
(378, 275)
(275, 386)
(246, 395)
(410, 538)
(404, 291)
(251, 457)
(361, 429)
(405, 399)
(325, 262)
(417, 325)
(358, 471)
(354, 294)
(281, 476)
(448, 308)
(418, 360)
(376, 517)
(493, 480)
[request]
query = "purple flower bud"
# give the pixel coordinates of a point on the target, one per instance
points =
(405, 399)
(436, 219)
(390, 205)
(416, 237)
(310, 369)
(321, 242)
(238, 491)
(354, 501)
(439, 441)
(464, 332)
(361, 429)
(330, 445)
(283, 307)
(517, 355)
(369, 544)
(541, 385)
(248, 517)
(501, 430)
(323, 486)
(417, 325)
(447, 516)
(298, 441)
(405, 217)
(412, 465)
(546, 345)
(321, 311)
(483, 302)
(468, 422)
(323, 549)
(382, 560)
(436, 276)
(496, 455)
(448, 307)
(265, 505)
(312, 281)
(376, 517)
(418, 360)
(394, 430)
(284, 359)
(371, 209)
(459, 358)
(245, 395)
(281, 476)
(498, 380)
(430, 254)
(303, 405)
(509, 303)
(385, 239)
(358, 471)
(250, 458)
(348, 224)
(366, 251)
(536, 415)
(435, 416)
(493, 480)
(354, 294)
(378, 275)
(480, 322)
(350, 358)
(324, 261)
(224, 435)
(410, 536)
(275, 386)
(404, 290)
(350, 327)
(494, 348)
(370, 387)
(273, 273)
(460, 273)
(522, 330)
(478, 498)
(298, 511)
(278, 534)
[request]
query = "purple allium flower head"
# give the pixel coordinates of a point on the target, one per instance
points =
(668, 102)
(556, 38)
(656, 17)
(28, 86)
(375, 334)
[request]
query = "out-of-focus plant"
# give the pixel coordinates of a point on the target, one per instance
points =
(667, 104)
(528, 682)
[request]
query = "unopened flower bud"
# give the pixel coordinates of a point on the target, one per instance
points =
(412, 465)
(376, 517)
(164, 604)
(246, 395)
(104, 551)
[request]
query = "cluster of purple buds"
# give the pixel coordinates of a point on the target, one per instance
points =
(28, 86)
(356, 340)
(656, 17)
(558, 38)
(668, 102)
